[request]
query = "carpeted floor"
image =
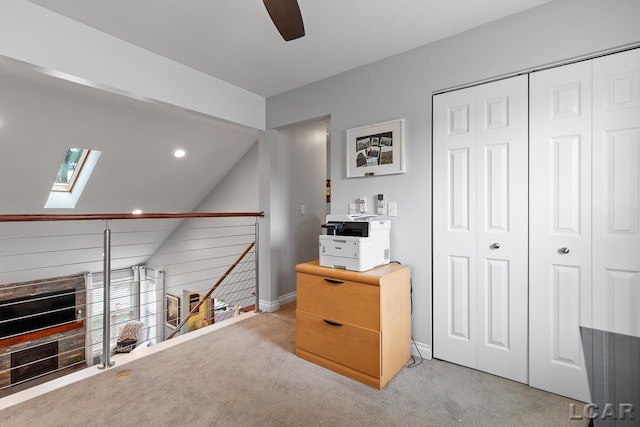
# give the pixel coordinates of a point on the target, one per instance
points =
(247, 374)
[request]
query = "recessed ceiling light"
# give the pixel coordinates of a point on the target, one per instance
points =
(136, 212)
(179, 153)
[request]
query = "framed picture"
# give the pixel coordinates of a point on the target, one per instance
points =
(376, 149)
(328, 191)
(194, 299)
(172, 317)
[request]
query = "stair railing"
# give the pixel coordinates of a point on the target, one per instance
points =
(106, 362)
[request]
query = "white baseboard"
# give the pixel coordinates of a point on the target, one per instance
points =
(290, 297)
(270, 306)
(425, 350)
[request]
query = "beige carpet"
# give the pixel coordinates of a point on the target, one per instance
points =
(247, 374)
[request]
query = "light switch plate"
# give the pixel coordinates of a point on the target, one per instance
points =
(392, 209)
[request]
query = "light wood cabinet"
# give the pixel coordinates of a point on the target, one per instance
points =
(357, 324)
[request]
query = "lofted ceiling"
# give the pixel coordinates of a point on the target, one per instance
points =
(235, 40)
(42, 116)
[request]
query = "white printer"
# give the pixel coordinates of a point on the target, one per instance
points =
(354, 242)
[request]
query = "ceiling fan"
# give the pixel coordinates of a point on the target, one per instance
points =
(287, 18)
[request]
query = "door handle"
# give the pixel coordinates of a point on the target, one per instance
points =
(563, 251)
(329, 322)
(495, 246)
(333, 281)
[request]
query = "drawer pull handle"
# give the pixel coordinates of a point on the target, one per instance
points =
(334, 282)
(329, 322)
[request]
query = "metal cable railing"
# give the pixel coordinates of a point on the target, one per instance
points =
(199, 302)
(76, 290)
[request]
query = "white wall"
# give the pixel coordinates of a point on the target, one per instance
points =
(401, 86)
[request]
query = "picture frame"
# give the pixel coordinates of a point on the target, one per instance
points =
(328, 191)
(172, 314)
(376, 149)
(194, 299)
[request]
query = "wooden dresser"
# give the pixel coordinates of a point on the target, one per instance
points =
(356, 324)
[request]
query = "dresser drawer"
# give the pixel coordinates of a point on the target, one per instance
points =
(340, 300)
(351, 346)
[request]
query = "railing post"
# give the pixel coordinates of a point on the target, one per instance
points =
(106, 312)
(257, 265)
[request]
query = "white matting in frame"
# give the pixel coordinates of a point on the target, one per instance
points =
(376, 149)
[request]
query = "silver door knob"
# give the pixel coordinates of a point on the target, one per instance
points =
(563, 250)
(495, 246)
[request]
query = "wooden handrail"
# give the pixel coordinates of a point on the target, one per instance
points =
(116, 216)
(196, 309)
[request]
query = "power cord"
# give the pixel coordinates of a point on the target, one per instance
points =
(414, 362)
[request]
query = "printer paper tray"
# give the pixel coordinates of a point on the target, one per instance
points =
(344, 263)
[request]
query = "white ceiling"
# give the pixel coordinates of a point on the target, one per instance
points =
(234, 40)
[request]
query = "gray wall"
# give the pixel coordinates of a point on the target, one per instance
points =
(238, 190)
(402, 85)
(196, 238)
(307, 147)
(293, 173)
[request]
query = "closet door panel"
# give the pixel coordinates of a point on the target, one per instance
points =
(454, 227)
(560, 228)
(480, 227)
(616, 193)
(565, 287)
(502, 138)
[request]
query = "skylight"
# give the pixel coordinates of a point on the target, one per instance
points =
(70, 169)
(72, 177)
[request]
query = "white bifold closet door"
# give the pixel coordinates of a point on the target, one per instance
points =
(560, 228)
(480, 227)
(584, 201)
(616, 193)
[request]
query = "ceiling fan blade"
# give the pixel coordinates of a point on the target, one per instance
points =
(287, 18)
